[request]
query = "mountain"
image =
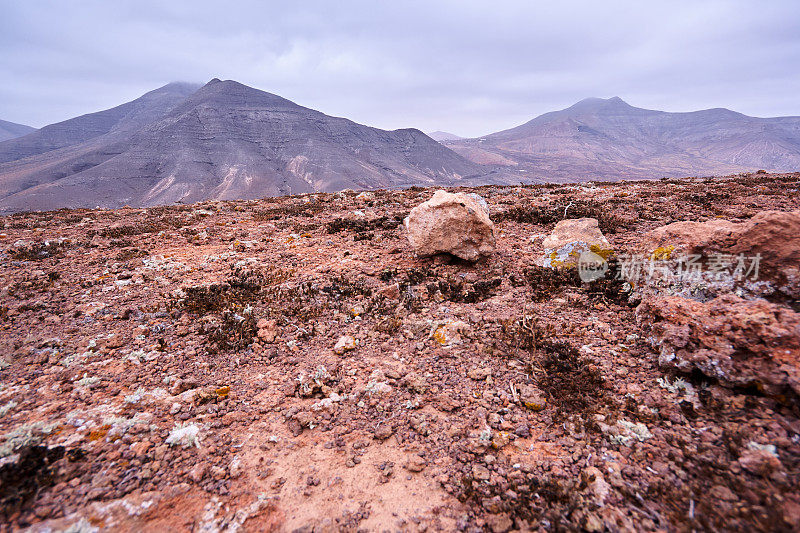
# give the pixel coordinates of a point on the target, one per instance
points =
(11, 130)
(122, 119)
(225, 141)
(610, 139)
(444, 136)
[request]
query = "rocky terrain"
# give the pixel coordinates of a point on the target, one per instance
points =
(291, 364)
(609, 139)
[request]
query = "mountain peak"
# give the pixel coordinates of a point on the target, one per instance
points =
(225, 141)
(230, 93)
(594, 102)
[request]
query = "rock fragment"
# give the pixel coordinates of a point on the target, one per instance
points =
(383, 432)
(450, 333)
(267, 330)
(415, 463)
(346, 343)
(759, 462)
(532, 398)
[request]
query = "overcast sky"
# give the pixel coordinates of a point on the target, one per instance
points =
(460, 66)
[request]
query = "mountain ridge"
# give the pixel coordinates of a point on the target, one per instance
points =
(82, 128)
(598, 138)
(12, 130)
(227, 141)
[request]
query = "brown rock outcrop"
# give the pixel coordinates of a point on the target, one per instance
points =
(738, 342)
(774, 236)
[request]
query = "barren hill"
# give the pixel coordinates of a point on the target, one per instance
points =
(225, 141)
(444, 136)
(122, 119)
(11, 130)
(610, 139)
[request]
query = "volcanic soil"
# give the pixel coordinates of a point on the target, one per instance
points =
(289, 364)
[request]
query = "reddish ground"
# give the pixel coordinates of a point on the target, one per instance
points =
(115, 326)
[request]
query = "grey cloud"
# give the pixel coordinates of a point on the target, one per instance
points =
(466, 67)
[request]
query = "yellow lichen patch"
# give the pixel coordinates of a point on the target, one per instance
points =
(449, 333)
(535, 404)
(662, 253)
(99, 433)
(605, 253)
(440, 335)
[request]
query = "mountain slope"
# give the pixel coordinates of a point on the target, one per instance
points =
(608, 139)
(228, 141)
(12, 130)
(121, 119)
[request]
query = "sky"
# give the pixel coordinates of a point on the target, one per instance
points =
(465, 67)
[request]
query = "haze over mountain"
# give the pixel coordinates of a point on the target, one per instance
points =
(11, 130)
(224, 141)
(444, 136)
(610, 139)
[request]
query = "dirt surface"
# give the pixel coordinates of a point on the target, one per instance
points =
(288, 364)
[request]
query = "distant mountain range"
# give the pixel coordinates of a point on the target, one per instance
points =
(11, 130)
(224, 140)
(607, 139)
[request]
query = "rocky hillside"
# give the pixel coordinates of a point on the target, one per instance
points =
(11, 130)
(292, 364)
(122, 119)
(610, 139)
(224, 141)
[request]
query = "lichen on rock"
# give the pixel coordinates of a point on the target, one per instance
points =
(570, 239)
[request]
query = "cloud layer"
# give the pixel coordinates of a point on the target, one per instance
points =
(466, 67)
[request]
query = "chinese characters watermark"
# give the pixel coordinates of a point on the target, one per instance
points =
(691, 268)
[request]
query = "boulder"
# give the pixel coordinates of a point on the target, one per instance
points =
(456, 224)
(735, 341)
(570, 239)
